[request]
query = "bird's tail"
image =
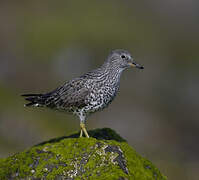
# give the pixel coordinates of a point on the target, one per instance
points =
(34, 99)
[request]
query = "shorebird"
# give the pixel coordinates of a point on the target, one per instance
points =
(88, 93)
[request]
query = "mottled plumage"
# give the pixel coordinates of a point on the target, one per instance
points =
(90, 92)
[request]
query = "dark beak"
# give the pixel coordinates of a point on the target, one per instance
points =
(134, 64)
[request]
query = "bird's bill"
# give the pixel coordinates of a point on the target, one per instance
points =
(134, 64)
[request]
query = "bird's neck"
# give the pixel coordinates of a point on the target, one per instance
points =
(112, 73)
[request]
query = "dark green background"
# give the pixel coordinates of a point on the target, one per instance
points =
(45, 43)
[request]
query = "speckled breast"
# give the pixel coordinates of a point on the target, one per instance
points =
(100, 98)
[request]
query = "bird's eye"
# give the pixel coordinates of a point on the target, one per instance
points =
(123, 56)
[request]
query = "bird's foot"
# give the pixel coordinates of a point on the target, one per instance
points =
(83, 130)
(81, 133)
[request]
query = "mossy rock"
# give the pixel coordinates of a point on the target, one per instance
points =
(104, 156)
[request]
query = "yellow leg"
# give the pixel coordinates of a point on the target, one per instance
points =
(82, 126)
(81, 133)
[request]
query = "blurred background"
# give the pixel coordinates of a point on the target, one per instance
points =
(45, 43)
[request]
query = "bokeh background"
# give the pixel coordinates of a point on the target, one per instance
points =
(45, 43)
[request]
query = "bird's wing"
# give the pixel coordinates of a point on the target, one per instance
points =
(71, 94)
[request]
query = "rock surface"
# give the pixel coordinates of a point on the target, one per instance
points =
(104, 156)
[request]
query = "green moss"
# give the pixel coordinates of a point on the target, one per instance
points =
(79, 158)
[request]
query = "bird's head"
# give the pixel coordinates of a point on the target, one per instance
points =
(122, 59)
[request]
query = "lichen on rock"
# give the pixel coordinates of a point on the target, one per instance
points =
(104, 156)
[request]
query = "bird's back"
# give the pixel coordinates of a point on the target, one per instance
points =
(90, 92)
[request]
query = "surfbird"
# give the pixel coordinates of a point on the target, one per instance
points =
(88, 93)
